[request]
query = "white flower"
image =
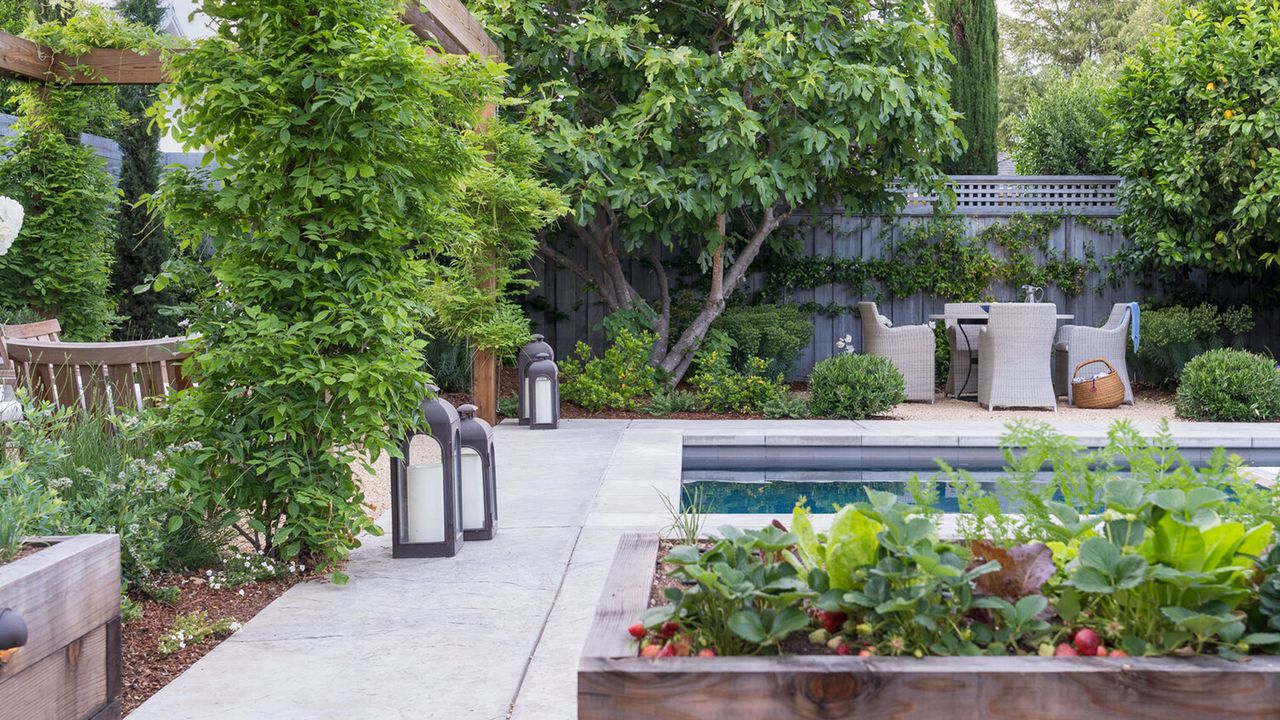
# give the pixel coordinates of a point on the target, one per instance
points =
(242, 592)
(11, 216)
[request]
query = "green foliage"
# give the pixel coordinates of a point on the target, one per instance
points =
(776, 333)
(1194, 125)
(666, 401)
(1172, 336)
(723, 389)
(142, 245)
(113, 474)
(483, 260)
(1072, 33)
(61, 264)
(450, 363)
(1061, 132)
(975, 45)
(1166, 560)
(618, 379)
(787, 405)
(192, 628)
(855, 386)
(338, 144)
(937, 257)
(27, 503)
(1230, 385)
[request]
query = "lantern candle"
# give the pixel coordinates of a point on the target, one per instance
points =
(472, 490)
(424, 499)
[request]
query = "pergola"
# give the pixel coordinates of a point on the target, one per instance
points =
(445, 22)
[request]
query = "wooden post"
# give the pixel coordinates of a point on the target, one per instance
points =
(484, 375)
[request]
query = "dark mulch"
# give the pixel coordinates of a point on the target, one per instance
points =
(146, 671)
(24, 551)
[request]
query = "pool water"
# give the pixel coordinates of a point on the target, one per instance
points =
(776, 492)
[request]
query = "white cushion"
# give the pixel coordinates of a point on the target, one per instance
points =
(10, 411)
(885, 321)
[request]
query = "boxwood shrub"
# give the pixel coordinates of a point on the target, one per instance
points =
(1230, 385)
(855, 386)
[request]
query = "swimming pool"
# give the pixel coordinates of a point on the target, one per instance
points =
(776, 492)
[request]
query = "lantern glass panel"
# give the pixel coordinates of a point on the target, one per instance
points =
(542, 402)
(422, 494)
(472, 490)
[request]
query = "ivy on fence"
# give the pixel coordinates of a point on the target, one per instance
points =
(938, 257)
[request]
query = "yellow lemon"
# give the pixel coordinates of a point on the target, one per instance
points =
(1209, 87)
(1227, 114)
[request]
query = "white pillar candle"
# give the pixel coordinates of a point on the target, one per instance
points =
(472, 490)
(524, 406)
(542, 386)
(424, 498)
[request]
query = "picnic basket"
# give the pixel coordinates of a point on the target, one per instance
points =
(1101, 393)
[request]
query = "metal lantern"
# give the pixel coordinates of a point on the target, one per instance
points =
(426, 494)
(528, 354)
(13, 633)
(544, 393)
(479, 477)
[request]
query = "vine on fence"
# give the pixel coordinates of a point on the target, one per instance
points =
(938, 257)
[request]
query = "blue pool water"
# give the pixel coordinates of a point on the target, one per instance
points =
(776, 492)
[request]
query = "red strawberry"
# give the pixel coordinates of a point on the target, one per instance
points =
(832, 621)
(1065, 650)
(842, 649)
(650, 651)
(637, 630)
(1119, 653)
(669, 628)
(1087, 642)
(706, 652)
(668, 650)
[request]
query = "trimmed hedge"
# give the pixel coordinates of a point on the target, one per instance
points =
(1230, 386)
(855, 386)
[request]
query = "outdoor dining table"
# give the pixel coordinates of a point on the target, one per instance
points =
(975, 319)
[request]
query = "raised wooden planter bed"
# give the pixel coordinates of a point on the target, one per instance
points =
(69, 595)
(615, 684)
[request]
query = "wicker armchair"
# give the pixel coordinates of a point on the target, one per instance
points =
(910, 348)
(1077, 343)
(963, 341)
(1016, 349)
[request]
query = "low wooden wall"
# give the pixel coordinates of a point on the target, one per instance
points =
(614, 684)
(69, 596)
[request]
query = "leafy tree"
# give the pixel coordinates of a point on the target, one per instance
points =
(975, 44)
(339, 143)
(700, 129)
(1196, 131)
(1062, 130)
(141, 243)
(1068, 33)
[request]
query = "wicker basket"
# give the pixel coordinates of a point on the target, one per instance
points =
(1103, 393)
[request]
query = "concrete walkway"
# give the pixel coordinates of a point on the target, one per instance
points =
(495, 632)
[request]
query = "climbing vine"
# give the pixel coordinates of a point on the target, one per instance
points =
(938, 257)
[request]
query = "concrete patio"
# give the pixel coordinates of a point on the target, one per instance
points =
(495, 632)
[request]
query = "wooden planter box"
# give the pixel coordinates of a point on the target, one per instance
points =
(614, 684)
(69, 595)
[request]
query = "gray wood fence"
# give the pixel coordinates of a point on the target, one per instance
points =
(566, 310)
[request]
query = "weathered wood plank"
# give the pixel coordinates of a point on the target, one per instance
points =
(62, 592)
(22, 59)
(620, 604)
(448, 23)
(71, 683)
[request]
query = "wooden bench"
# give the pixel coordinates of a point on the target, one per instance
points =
(45, 330)
(111, 376)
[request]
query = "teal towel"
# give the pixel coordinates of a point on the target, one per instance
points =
(1135, 314)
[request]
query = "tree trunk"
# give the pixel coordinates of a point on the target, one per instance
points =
(606, 273)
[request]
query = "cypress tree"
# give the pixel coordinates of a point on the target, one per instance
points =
(975, 80)
(141, 244)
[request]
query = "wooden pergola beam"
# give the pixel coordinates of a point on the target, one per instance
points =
(24, 60)
(448, 23)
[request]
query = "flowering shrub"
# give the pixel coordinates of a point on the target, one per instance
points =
(242, 569)
(10, 222)
(618, 379)
(192, 628)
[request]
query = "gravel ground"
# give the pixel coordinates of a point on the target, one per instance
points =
(1149, 405)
